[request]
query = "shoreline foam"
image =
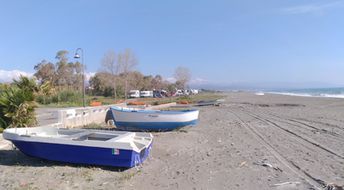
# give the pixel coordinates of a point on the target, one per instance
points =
(322, 95)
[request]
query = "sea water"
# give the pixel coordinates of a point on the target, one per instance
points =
(313, 92)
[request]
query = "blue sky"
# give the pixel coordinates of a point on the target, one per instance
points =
(258, 43)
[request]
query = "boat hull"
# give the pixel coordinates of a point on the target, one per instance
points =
(153, 126)
(149, 120)
(82, 146)
(83, 154)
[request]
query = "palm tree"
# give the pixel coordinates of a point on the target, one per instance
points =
(17, 104)
(46, 89)
(27, 84)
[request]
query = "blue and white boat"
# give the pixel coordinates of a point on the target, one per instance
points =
(82, 146)
(152, 120)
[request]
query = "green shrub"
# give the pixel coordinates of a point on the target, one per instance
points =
(43, 99)
(73, 98)
(184, 98)
(69, 96)
(17, 105)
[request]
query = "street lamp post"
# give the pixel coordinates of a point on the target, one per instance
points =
(77, 56)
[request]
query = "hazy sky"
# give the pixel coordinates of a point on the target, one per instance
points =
(227, 41)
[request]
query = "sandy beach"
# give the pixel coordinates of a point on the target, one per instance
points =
(249, 142)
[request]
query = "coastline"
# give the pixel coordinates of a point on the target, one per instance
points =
(312, 92)
(307, 95)
(232, 147)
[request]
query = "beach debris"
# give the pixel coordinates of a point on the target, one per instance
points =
(288, 183)
(290, 105)
(182, 131)
(105, 183)
(332, 186)
(268, 165)
(242, 164)
(209, 102)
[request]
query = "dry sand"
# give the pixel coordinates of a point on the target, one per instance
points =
(249, 142)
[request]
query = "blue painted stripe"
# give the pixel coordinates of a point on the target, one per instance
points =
(82, 154)
(153, 126)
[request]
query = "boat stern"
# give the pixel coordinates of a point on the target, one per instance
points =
(142, 144)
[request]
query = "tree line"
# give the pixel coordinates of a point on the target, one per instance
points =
(116, 76)
(64, 74)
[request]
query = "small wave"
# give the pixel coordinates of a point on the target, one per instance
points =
(292, 94)
(309, 95)
(332, 95)
(259, 93)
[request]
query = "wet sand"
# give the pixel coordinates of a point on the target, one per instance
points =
(249, 142)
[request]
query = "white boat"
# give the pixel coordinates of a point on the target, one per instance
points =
(153, 120)
(82, 146)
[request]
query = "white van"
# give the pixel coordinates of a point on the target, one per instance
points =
(194, 91)
(179, 93)
(146, 94)
(134, 94)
